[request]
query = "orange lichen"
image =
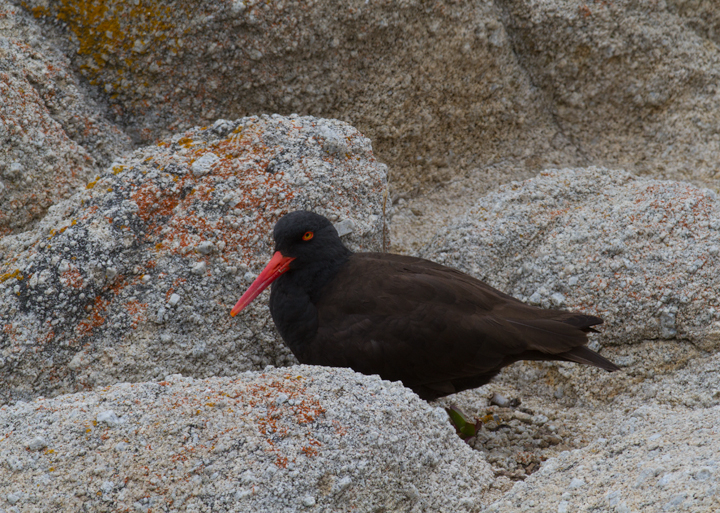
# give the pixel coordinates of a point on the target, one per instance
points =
(96, 319)
(101, 31)
(11, 331)
(72, 278)
(136, 310)
(150, 207)
(340, 430)
(185, 142)
(189, 227)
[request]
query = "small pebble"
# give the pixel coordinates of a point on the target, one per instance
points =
(37, 443)
(108, 417)
(500, 400)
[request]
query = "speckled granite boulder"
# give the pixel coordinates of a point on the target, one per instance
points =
(642, 254)
(657, 459)
(630, 83)
(134, 278)
(487, 90)
(435, 85)
(53, 136)
(295, 439)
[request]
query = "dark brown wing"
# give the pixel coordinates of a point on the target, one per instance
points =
(434, 327)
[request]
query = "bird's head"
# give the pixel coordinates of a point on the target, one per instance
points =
(302, 239)
(307, 238)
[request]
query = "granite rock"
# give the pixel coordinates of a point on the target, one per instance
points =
(642, 254)
(655, 459)
(296, 439)
(53, 135)
(632, 85)
(435, 85)
(134, 278)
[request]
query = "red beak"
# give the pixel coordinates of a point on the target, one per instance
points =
(278, 264)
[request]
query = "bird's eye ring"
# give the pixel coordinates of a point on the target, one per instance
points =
(307, 235)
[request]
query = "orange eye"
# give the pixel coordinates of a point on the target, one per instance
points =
(308, 235)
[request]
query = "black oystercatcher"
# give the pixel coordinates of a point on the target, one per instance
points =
(437, 330)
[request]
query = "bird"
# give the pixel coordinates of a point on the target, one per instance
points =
(435, 329)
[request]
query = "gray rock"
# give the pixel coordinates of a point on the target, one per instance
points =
(657, 459)
(615, 245)
(342, 441)
(635, 251)
(630, 85)
(438, 88)
(55, 137)
(77, 308)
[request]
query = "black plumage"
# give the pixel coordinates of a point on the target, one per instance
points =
(437, 330)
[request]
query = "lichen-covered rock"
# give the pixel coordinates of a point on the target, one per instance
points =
(53, 136)
(435, 85)
(642, 254)
(296, 439)
(134, 278)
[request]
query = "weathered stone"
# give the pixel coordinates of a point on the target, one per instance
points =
(119, 282)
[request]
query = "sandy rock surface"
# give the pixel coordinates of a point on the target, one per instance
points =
(565, 409)
(134, 278)
(53, 136)
(297, 439)
(632, 84)
(624, 84)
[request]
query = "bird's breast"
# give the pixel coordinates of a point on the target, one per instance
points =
(295, 317)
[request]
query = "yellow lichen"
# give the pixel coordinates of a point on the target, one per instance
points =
(15, 274)
(92, 184)
(102, 30)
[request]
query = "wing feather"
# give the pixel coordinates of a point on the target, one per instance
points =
(420, 322)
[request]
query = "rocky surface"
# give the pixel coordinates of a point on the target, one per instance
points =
(435, 85)
(642, 254)
(298, 439)
(134, 278)
(566, 409)
(631, 84)
(457, 97)
(53, 136)
(625, 84)
(623, 247)
(656, 459)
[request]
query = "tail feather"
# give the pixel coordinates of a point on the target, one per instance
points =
(582, 354)
(562, 338)
(584, 322)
